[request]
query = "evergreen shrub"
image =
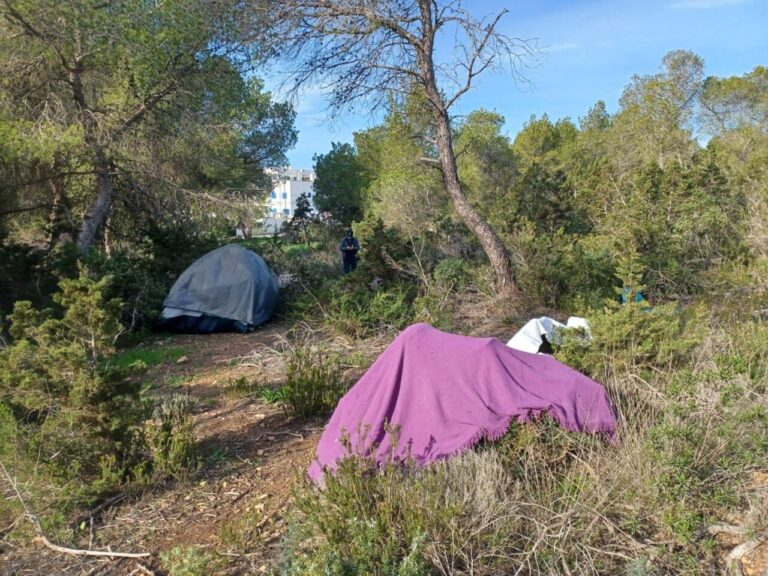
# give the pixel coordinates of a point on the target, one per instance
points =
(314, 381)
(76, 414)
(631, 338)
(455, 517)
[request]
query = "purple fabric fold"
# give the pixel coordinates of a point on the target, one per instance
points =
(445, 392)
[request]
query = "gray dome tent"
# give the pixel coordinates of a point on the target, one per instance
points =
(230, 288)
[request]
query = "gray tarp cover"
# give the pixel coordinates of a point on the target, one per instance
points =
(230, 282)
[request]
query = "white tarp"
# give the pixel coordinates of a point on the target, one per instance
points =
(529, 337)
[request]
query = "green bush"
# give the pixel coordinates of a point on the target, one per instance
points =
(169, 437)
(453, 273)
(713, 431)
(558, 269)
(351, 307)
(187, 561)
(145, 269)
(54, 378)
(314, 381)
(78, 414)
(456, 517)
(631, 338)
(381, 248)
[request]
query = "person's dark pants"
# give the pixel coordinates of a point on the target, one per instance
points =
(350, 262)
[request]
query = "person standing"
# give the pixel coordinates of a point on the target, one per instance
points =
(349, 248)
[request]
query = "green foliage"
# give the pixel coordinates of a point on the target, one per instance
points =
(242, 386)
(398, 521)
(54, 379)
(702, 454)
(561, 268)
(454, 273)
(339, 184)
(273, 395)
(360, 311)
(146, 268)
(187, 561)
(488, 166)
(314, 381)
(681, 222)
(540, 141)
(81, 416)
(383, 248)
(545, 198)
(632, 338)
(167, 85)
(732, 103)
(655, 120)
(402, 191)
(145, 357)
(169, 437)
(29, 273)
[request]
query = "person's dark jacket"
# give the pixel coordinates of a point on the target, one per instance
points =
(349, 242)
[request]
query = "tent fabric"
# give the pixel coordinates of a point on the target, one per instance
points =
(531, 337)
(446, 392)
(230, 288)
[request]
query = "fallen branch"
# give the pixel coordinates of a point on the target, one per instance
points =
(63, 549)
(733, 560)
(79, 551)
(729, 529)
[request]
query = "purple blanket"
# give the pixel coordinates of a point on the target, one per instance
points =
(446, 392)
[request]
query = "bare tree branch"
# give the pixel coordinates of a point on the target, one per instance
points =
(55, 547)
(22, 209)
(366, 51)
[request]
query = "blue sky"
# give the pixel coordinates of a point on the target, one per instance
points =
(591, 49)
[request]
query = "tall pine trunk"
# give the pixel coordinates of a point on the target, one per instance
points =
(489, 240)
(94, 219)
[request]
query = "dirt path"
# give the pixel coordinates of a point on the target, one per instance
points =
(232, 509)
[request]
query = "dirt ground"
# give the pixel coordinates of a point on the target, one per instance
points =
(233, 507)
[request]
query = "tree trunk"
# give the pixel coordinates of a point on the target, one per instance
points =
(97, 214)
(489, 240)
(59, 205)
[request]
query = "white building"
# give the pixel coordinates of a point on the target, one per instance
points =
(287, 185)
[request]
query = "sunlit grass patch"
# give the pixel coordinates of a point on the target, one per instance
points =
(146, 356)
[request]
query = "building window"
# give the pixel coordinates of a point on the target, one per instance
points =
(274, 210)
(274, 195)
(287, 211)
(285, 195)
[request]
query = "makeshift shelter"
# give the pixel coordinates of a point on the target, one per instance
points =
(538, 334)
(444, 393)
(228, 289)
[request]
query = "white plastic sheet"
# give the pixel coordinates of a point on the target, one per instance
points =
(529, 337)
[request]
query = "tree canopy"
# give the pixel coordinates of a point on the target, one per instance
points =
(131, 102)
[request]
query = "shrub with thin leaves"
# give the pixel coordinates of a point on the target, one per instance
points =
(456, 517)
(75, 410)
(631, 337)
(80, 416)
(187, 561)
(314, 381)
(169, 436)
